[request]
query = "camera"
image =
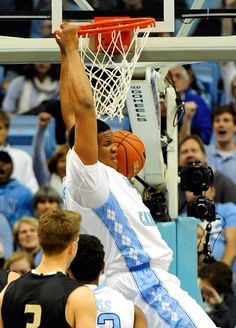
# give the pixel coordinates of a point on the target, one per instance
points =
(196, 178)
(202, 208)
(156, 202)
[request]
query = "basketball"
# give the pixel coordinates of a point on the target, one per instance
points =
(130, 153)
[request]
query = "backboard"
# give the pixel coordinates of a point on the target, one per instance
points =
(162, 10)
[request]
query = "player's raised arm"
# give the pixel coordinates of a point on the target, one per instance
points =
(79, 99)
(66, 108)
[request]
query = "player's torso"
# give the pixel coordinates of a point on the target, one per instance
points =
(37, 301)
(124, 226)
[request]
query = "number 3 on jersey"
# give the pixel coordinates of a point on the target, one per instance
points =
(37, 312)
(103, 317)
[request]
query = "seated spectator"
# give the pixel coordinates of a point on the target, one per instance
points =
(222, 154)
(86, 267)
(48, 172)
(197, 117)
(36, 91)
(22, 161)
(192, 149)
(38, 83)
(20, 262)
(15, 199)
(26, 237)
(215, 281)
(45, 199)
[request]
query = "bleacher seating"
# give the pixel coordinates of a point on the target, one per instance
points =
(23, 129)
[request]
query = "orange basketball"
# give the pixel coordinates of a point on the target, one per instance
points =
(130, 153)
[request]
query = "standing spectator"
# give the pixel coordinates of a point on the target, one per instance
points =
(45, 199)
(192, 149)
(112, 306)
(15, 199)
(46, 296)
(222, 154)
(215, 281)
(48, 172)
(26, 237)
(197, 117)
(22, 161)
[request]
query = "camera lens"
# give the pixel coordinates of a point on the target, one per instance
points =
(201, 210)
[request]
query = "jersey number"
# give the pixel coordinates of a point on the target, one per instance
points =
(103, 317)
(37, 312)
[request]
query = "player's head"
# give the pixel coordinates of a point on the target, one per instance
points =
(59, 230)
(107, 150)
(89, 260)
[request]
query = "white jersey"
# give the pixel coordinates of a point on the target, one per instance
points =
(112, 211)
(113, 309)
(136, 256)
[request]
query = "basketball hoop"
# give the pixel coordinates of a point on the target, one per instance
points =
(111, 59)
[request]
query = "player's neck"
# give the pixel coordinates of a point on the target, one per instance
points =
(52, 264)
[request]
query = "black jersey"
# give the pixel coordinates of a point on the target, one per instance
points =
(39, 300)
(3, 278)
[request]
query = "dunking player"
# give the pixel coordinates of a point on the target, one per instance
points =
(137, 258)
(47, 297)
(112, 306)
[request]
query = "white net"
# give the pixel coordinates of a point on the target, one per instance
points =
(110, 70)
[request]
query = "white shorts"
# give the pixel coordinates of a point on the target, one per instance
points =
(158, 294)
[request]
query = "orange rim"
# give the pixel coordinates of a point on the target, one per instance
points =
(115, 24)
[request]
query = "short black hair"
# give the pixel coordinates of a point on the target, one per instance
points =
(101, 127)
(89, 260)
(5, 157)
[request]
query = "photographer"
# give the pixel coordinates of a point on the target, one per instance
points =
(191, 149)
(223, 227)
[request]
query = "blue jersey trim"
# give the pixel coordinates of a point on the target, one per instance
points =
(137, 261)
